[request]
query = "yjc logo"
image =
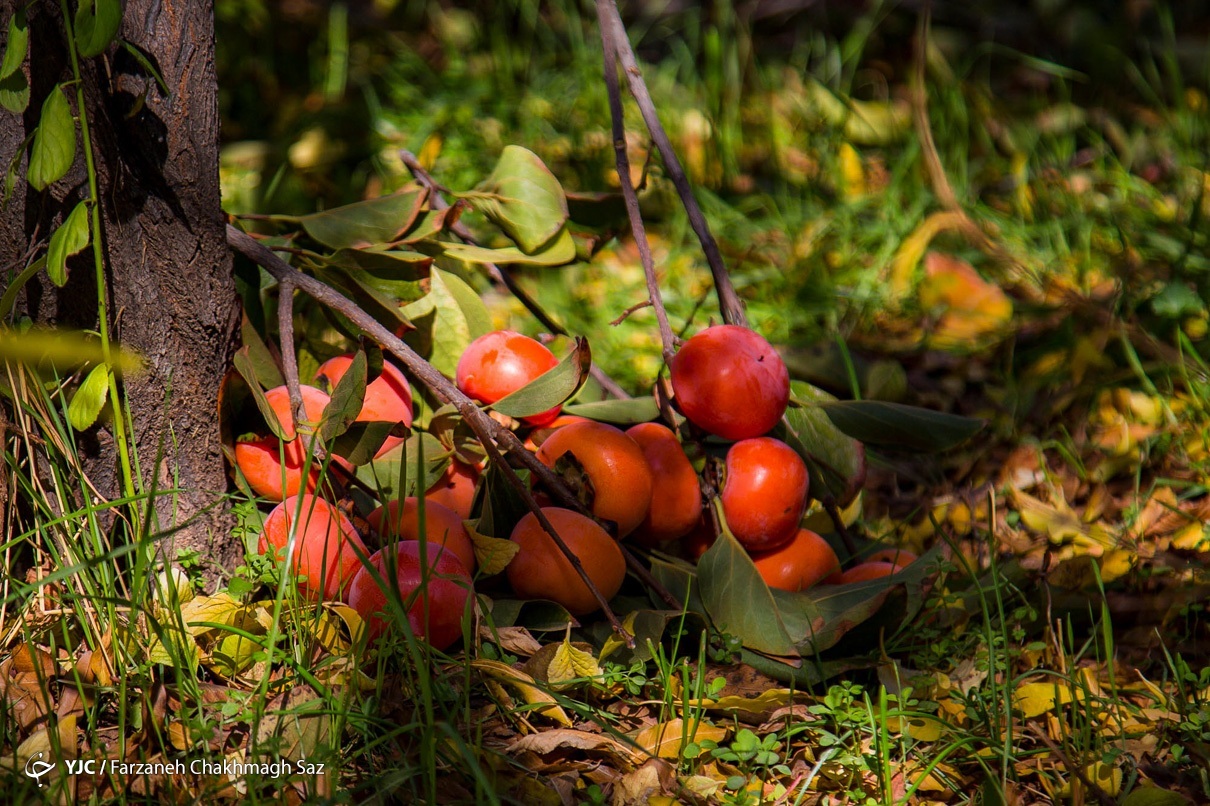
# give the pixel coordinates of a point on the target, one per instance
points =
(35, 768)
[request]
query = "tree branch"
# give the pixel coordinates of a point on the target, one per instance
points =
(611, 21)
(490, 433)
(608, 37)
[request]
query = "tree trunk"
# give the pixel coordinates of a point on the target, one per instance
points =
(171, 292)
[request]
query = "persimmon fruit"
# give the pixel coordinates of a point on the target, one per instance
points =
(676, 497)
(435, 599)
(261, 462)
(900, 558)
(388, 398)
(326, 546)
(613, 476)
(499, 363)
(863, 572)
(455, 489)
(731, 382)
(442, 527)
(764, 492)
(802, 563)
(541, 571)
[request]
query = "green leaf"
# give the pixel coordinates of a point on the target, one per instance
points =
(346, 400)
(836, 461)
(448, 319)
(68, 239)
(364, 223)
(89, 399)
(16, 46)
(619, 412)
(97, 23)
(243, 365)
(523, 198)
(262, 361)
(54, 147)
(359, 442)
(14, 96)
(738, 600)
(562, 249)
(1154, 796)
(552, 387)
(383, 306)
(383, 474)
(1176, 300)
(896, 425)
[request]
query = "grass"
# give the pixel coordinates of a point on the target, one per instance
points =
(1016, 683)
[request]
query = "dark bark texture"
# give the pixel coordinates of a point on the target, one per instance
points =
(171, 291)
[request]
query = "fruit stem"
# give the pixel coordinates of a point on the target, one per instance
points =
(613, 34)
(502, 275)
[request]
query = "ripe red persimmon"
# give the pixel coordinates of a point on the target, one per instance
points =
(435, 600)
(541, 571)
(676, 497)
(802, 563)
(613, 467)
(388, 398)
(442, 527)
(764, 492)
(499, 363)
(731, 382)
(326, 546)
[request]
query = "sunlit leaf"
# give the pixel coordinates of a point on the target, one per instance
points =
(364, 223)
(571, 663)
(63, 350)
(562, 249)
(620, 412)
(54, 148)
(68, 239)
(89, 399)
(492, 554)
(447, 320)
(968, 310)
(523, 684)
(911, 251)
(1035, 699)
(668, 739)
(552, 387)
(523, 198)
(16, 46)
(96, 24)
(344, 404)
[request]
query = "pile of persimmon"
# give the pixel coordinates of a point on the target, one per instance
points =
(638, 485)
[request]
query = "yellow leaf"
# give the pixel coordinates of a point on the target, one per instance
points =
(668, 739)
(202, 612)
(524, 685)
(492, 554)
(613, 643)
(911, 251)
(570, 664)
(1035, 699)
(920, 728)
(968, 309)
(852, 174)
(749, 708)
(1105, 776)
(1116, 564)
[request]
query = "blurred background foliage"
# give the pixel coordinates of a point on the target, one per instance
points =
(1076, 132)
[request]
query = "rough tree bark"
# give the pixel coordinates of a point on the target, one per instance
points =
(171, 290)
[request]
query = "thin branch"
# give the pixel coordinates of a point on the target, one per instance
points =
(609, 45)
(502, 275)
(728, 301)
(490, 433)
(638, 306)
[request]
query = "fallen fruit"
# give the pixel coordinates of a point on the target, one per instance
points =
(327, 550)
(499, 363)
(435, 600)
(388, 398)
(731, 382)
(863, 572)
(541, 571)
(676, 496)
(764, 493)
(609, 471)
(802, 563)
(442, 527)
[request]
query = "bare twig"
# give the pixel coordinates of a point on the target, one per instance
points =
(502, 275)
(638, 306)
(628, 193)
(489, 432)
(614, 31)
